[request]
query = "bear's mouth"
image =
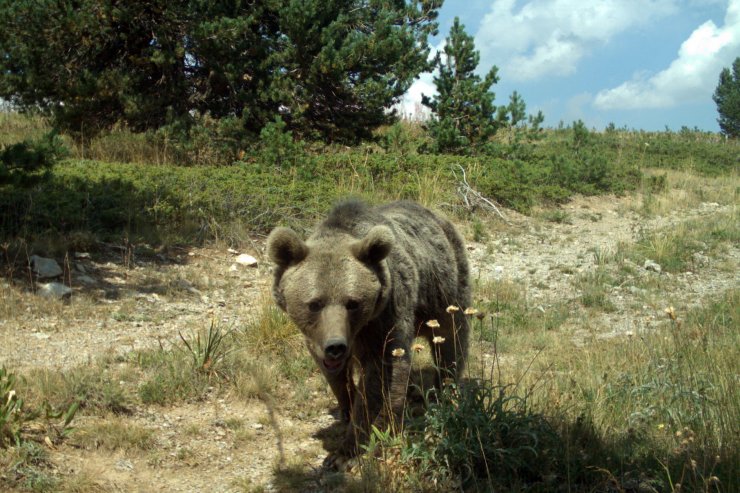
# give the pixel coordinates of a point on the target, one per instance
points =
(333, 365)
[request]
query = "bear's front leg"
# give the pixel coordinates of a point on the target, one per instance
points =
(367, 403)
(396, 377)
(343, 388)
(381, 396)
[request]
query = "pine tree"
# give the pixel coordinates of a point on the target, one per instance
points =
(329, 68)
(727, 98)
(90, 64)
(464, 109)
(517, 109)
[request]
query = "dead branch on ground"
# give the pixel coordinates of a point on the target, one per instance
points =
(473, 199)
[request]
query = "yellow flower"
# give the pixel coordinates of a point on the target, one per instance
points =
(438, 340)
(470, 311)
(661, 426)
(670, 312)
(433, 324)
(417, 348)
(452, 309)
(398, 352)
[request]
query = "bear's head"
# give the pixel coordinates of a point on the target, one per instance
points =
(331, 286)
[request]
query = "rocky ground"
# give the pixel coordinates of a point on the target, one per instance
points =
(120, 303)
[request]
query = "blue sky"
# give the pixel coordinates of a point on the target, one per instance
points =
(644, 64)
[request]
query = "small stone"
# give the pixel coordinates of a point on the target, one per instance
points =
(246, 260)
(82, 256)
(124, 465)
(86, 280)
(45, 267)
(699, 259)
(652, 266)
(54, 290)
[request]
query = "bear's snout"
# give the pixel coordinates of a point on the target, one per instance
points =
(335, 348)
(335, 352)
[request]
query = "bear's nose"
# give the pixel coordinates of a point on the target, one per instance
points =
(335, 348)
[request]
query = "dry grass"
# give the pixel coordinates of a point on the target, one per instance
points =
(114, 433)
(16, 128)
(684, 190)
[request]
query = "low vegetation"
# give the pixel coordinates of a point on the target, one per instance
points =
(149, 200)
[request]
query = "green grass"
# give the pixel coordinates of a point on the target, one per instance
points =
(96, 388)
(558, 216)
(514, 319)
(658, 410)
(27, 468)
(595, 288)
(674, 248)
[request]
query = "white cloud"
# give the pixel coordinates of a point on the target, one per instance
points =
(410, 106)
(549, 37)
(692, 76)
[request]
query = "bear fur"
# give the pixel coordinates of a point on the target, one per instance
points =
(360, 288)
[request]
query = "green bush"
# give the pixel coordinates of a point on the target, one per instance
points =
(483, 433)
(25, 163)
(281, 181)
(278, 147)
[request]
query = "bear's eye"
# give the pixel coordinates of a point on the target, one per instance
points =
(352, 305)
(315, 306)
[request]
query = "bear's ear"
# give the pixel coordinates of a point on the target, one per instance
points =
(375, 246)
(285, 247)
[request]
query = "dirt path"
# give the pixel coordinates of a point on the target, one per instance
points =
(547, 257)
(227, 444)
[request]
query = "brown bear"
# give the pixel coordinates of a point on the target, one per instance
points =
(360, 288)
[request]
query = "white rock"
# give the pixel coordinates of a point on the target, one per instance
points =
(651, 265)
(54, 290)
(82, 255)
(45, 267)
(246, 260)
(124, 465)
